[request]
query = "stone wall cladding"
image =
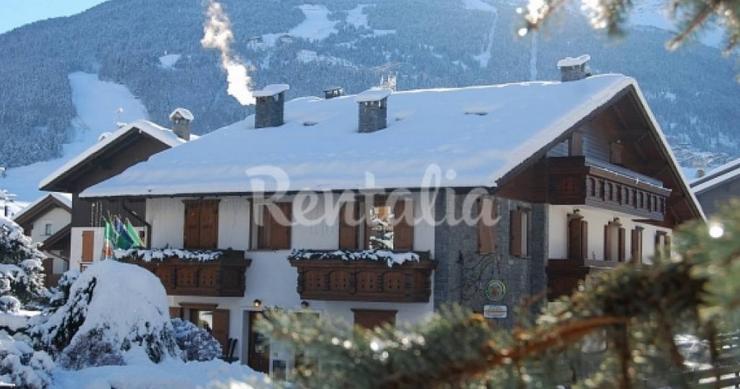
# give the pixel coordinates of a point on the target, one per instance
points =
(462, 272)
(269, 111)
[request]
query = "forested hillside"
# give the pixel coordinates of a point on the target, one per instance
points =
(153, 49)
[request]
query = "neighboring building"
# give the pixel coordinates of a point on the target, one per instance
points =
(718, 187)
(578, 174)
(113, 154)
(47, 222)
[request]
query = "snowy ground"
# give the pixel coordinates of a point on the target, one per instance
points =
(97, 104)
(166, 375)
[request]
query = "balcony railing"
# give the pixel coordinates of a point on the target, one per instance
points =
(344, 275)
(563, 275)
(573, 180)
(215, 273)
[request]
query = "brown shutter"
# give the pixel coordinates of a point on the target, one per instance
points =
(515, 227)
(575, 245)
(371, 318)
(584, 239)
(279, 235)
(607, 244)
(486, 232)
(88, 243)
(221, 327)
(191, 240)
(622, 244)
(347, 232)
(403, 230)
(636, 245)
(263, 229)
(209, 224)
(176, 312)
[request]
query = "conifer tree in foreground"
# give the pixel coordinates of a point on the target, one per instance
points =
(622, 328)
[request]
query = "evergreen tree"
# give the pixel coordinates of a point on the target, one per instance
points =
(623, 328)
(21, 270)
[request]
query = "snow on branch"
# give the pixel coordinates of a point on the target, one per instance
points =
(154, 255)
(389, 257)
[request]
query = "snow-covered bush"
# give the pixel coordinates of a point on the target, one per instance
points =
(21, 366)
(113, 310)
(21, 270)
(59, 294)
(196, 343)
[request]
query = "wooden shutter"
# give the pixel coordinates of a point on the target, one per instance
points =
(280, 234)
(221, 327)
(263, 230)
(622, 244)
(515, 227)
(584, 239)
(209, 224)
(607, 244)
(191, 240)
(486, 232)
(347, 232)
(371, 318)
(403, 230)
(575, 244)
(636, 245)
(176, 312)
(88, 244)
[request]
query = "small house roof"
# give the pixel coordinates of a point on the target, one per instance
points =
(42, 205)
(716, 176)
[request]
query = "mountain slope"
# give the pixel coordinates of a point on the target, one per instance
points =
(153, 49)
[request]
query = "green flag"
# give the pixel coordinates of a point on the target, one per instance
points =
(109, 239)
(134, 235)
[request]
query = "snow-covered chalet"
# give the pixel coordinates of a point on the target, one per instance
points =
(570, 176)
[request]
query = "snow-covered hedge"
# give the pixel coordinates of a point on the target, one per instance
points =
(196, 343)
(162, 254)
(389, 257)
(114, 311)
(21, 365)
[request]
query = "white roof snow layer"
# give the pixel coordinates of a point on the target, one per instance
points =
(64, 198)
(271, 90)
(183, 112)
(570, 61)
(162, 134)
(425, 128)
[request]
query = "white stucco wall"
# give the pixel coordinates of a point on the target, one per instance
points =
(75, 255)
(597, 218)
(57, 217)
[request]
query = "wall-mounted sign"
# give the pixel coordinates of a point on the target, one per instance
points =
(495, 290)
(495, 311)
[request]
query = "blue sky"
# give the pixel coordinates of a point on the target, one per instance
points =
(15, 13)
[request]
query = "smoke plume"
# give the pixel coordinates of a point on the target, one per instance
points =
(217, 35)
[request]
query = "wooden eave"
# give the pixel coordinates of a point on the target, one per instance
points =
(47, 204)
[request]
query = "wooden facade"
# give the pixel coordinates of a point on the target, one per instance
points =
(222, 277)
(357, 280)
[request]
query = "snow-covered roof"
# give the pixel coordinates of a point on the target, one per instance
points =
(373, 94)
(570, 61)
(271, 90)
(717, 176)
(64, 198)
(425, 128)
(183, 112)
(162, 134)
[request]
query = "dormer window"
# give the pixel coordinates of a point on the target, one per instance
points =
(616, 152)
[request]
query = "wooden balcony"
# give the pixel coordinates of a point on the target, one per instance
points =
(573, 180)
(364, 280)
(223, 277)
(563, 275)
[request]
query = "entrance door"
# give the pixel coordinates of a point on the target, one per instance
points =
(371, 318)
(258, 352)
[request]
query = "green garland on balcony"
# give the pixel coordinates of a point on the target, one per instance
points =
(389, 257)
(629, 316)
(158, 255)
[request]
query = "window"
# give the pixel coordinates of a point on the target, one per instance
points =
(636, 244)
(201, 224)
(389, 225)
(577, 237)
(616, 152)
(47, 229)
(487, 225)
(519, 231)
(371, 318)
(274, 226)
(614, 244)
(662, 244)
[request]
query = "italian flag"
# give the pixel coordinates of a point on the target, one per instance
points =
(109, 239)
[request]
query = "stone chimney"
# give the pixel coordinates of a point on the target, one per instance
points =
(572, 69)
(270, 106)
(332, 92)
(181, 119)
(373, 114)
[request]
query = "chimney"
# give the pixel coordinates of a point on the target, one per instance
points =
(332, 92)
(181, 119)
(373, 112)
(270, 105)
(572, 69)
